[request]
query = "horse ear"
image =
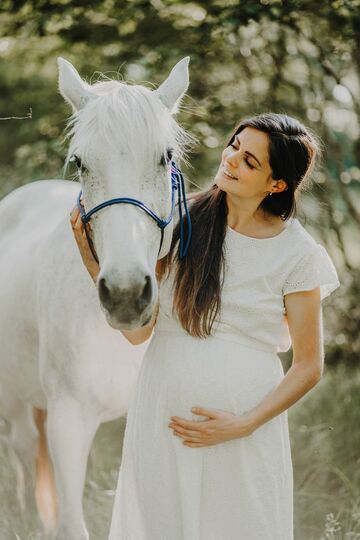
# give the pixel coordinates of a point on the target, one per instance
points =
(71, 86)
(171, 91)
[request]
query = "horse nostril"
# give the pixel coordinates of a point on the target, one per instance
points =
(137, 296)
(104, 292)
(146, 293)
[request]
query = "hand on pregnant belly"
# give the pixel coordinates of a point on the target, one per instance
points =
(220, 426)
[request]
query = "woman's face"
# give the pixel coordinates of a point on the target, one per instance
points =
(244, 170)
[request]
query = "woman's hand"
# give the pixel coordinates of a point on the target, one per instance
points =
(83, 245)
(220, 426)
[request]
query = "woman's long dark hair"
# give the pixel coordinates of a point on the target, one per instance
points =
(293, 149)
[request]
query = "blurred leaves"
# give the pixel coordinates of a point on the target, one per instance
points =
(300, 57)
(325, 447)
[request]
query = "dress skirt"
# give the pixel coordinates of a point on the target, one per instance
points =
(237, 490)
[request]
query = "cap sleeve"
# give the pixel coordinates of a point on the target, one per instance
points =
(314, 269)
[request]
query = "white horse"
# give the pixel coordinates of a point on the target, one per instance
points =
(61, 348)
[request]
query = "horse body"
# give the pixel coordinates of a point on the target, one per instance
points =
(62, 350)
(58, 351)
(52, 330)
(69, 333)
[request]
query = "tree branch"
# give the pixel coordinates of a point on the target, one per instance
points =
(29, 115)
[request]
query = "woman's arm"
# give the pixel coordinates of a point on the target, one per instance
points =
(138, 335)
(141, 334)
(304, 314)
(305, 325)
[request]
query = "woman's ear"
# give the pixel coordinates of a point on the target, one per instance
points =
(280, 186)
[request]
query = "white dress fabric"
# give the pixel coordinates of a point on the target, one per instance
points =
(240, 489)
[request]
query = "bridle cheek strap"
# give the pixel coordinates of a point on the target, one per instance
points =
(165, 240)
(177, 184)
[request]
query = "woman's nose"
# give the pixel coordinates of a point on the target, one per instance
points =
(232, 158)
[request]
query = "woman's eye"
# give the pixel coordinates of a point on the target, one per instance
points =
(249, 164)
(246, 160)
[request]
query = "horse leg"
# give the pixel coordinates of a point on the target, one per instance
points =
(23, 439)
(45, 491)
(71, 428)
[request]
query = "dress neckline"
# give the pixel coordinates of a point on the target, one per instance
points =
(253, 239)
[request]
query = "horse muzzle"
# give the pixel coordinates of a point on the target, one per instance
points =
(128, 305)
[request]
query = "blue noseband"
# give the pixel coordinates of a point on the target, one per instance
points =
(177, 183)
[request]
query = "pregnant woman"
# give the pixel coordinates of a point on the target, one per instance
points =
(206, 452)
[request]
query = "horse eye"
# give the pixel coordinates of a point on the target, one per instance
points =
(77, 160)
(169, 154)
(165, 159)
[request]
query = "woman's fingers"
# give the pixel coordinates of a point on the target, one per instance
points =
(78, 229)
(76, 223)
(74, 215)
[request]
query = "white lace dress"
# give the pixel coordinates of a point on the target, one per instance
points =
(241, 489)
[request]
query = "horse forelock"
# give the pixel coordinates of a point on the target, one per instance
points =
(129, 119)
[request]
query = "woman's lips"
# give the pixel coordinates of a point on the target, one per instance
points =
(228, 173)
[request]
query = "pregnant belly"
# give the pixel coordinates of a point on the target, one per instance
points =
(210, 372)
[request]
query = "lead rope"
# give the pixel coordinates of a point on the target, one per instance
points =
(183, 250)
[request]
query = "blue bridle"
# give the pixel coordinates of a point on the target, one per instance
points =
(177, 183)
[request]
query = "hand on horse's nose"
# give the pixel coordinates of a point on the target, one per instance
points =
(82, 243)
(137, 295)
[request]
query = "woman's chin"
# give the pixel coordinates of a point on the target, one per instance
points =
(225, 184)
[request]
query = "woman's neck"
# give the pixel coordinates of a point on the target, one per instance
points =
(246, 217)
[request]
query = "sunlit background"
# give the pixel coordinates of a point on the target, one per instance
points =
(299, 57)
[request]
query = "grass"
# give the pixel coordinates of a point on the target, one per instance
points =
(325, 439)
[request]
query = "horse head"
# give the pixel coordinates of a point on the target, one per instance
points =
(123, 138)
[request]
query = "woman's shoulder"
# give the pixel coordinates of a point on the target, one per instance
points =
(301, 238)
(306, 255)
(291, 237)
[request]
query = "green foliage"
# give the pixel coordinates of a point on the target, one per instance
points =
(326, 456)
(299, 57)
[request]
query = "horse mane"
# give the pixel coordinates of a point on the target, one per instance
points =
(145, 123)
